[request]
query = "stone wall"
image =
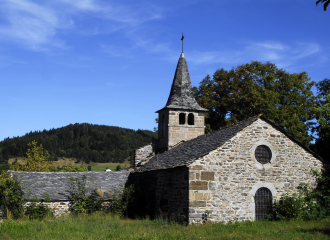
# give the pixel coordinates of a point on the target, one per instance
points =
(58, 208)
(225, 181)
(57, 185)
(160, 192)
(142, 155)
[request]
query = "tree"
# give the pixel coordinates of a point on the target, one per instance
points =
(257, 88)
(322, 113)
(324, 119)
(37, 160)
(325, 3)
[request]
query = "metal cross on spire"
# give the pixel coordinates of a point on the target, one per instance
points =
(182, 41)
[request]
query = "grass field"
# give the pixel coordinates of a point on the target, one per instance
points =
(105, 226)
(71, 161)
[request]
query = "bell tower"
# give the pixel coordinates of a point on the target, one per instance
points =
(181, 118)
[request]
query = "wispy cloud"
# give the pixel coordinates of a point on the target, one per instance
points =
(84, 5)
(281, 54)
(39, 26)
(29, 24)
(6, 61)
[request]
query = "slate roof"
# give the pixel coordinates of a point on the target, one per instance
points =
(57, 184)
(181, 95)
(187, 152)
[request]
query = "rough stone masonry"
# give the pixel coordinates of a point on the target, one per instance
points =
(225, 181)
(57, 185)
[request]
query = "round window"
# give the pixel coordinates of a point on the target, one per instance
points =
(263, 154)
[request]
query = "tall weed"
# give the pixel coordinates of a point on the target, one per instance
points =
(80, 202)
(37, 209)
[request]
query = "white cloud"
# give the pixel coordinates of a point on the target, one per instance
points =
(85, 5)
(279, 53)
(6, 61)
(307, 49)
(39, 26)
(29, 24)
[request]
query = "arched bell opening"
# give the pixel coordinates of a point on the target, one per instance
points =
(191, 119)
(182, 118)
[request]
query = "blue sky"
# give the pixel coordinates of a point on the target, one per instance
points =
(113, 62)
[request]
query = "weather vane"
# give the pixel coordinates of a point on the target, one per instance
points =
(182, 41)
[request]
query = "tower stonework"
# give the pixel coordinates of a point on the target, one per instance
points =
(171, 132)
(182, 118)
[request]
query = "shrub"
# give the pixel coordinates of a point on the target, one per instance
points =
(308, 204)
(289, 206)
(322, 192)
(11, 196)
(118, 168)
(38, 210)
(120, 200)
(80, 203)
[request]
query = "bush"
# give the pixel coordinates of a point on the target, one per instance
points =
(290, 206)
(89, 168)
(38, 210)
(118, 168)
(80, 203)
(11, 196)
(308, 204)
(120, 201)
(321, 193)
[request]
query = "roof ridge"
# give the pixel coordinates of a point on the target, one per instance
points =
(188, 151)
(194, 148)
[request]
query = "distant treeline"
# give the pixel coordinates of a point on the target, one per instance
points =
(85, 142)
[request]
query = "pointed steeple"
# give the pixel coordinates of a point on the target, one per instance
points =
(181, 95)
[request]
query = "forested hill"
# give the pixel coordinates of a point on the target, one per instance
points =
(86, 142)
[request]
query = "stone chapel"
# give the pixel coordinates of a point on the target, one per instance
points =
(232, 174)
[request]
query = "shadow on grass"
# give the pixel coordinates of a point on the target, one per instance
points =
(316, 230)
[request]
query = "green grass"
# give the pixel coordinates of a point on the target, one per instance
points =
(105, 226)
(71, 161)
(102, 166)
